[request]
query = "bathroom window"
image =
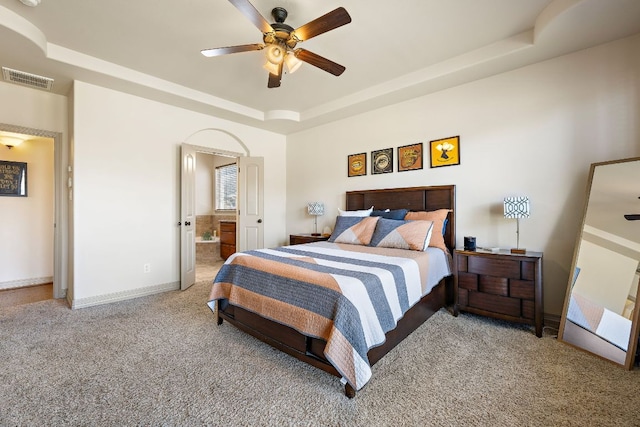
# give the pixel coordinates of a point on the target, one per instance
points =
(226, 187)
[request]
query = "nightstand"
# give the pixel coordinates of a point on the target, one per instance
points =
(501, 285)
(298, 239)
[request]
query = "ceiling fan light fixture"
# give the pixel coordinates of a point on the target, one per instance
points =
(292, 62)
(271, 68)
(275, 54)
(30, 3)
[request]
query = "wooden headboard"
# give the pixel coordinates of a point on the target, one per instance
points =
(414, 199)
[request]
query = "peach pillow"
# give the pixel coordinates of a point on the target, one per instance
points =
(354, 230)
(438, 217)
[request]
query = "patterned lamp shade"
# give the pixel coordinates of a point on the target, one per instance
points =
(315, 208)
(516, 207)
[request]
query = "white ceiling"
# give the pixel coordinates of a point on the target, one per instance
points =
(392, 51)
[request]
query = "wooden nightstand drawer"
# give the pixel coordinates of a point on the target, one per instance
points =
(495, 267)
(528, 309)
(522, 289)
(495, 303)
(468, 281)
(299, 239)
(528, 270)
(501, 285)
(494, 285)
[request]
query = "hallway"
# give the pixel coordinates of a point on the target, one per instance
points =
(25, 295)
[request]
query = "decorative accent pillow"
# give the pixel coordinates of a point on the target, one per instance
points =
(438, 217)
(354, 230)
(364, 212)
(391, 214)
(393, 233)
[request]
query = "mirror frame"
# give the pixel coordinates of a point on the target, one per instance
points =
(635, 316)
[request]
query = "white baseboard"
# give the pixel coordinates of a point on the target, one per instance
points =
(121, 296)
(26, 282)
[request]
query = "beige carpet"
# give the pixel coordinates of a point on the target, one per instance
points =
(162, 361)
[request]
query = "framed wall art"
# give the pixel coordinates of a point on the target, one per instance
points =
(357, 164)
(13, 179)
(382, 161)
(410, 157)
(445, 152)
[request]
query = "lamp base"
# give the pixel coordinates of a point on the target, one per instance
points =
(518, 251)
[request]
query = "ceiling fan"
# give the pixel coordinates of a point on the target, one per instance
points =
(280, 41)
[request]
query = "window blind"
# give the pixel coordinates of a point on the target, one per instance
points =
(226, 187)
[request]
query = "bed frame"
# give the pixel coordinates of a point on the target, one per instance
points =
(311, 350)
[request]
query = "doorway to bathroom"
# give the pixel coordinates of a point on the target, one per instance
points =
(216, 189)
(248, 214)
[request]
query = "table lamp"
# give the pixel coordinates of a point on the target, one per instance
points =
(316, 209)
(517, 207)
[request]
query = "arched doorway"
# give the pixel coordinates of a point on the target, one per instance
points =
(225, 149)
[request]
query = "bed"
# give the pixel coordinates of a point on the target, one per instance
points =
(305, 299)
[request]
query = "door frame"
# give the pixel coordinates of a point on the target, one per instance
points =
(61, 261)
(208, 151)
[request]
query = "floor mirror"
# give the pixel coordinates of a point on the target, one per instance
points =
(600, 312)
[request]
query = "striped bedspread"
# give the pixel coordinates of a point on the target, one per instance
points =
(348, 295)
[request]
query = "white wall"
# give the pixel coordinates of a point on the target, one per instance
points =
(204, 183)
(32, 108)
(26, 228)
(533, 131)
(127, 188)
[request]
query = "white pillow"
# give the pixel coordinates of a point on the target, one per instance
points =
(364, 212)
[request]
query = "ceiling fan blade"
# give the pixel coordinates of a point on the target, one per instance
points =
(274, 80)
(252, 14)
(217, 51)
(334, 19)
(632, 217)
(320, 62)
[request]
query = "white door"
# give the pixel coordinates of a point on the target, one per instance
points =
(250, 230)
(188, 217)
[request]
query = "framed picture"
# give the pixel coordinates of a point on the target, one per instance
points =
(13, 179)
(357, 164)
(382, 161)
(410, 157)
(445, 152)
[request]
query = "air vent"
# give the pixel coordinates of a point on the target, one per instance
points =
(27, 79)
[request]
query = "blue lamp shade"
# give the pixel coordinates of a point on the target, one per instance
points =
(516, 207)
(315, 208)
